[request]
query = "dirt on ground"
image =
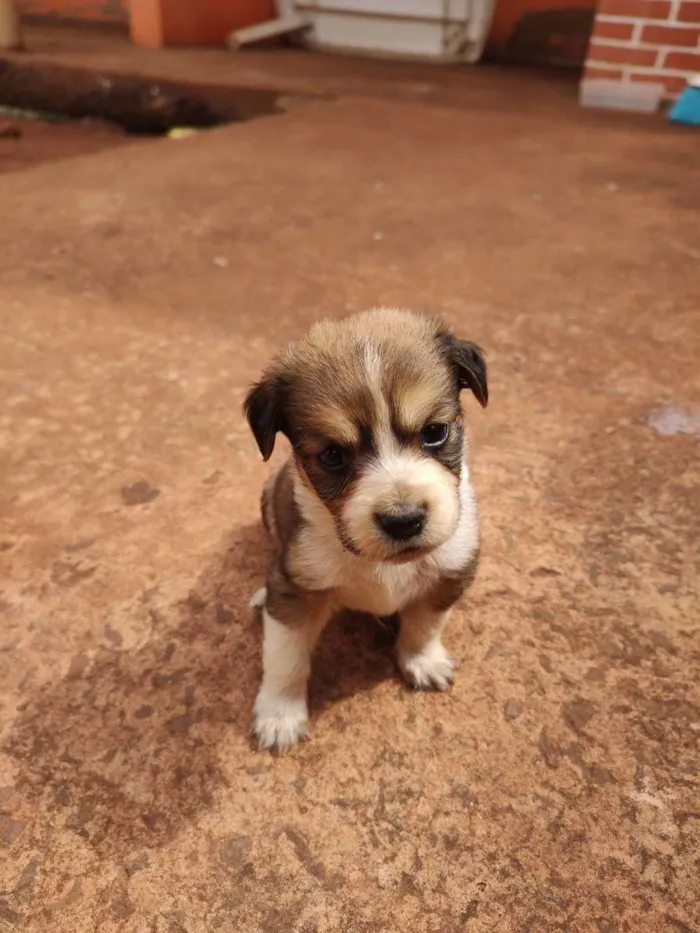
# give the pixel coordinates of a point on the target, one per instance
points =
(25, 142)
(556, 786)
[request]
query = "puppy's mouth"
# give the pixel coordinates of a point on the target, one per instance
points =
(396, 553)
(408, 554)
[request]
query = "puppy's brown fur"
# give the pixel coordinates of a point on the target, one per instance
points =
(374, 509)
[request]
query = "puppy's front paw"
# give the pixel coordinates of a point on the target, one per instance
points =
(279, 722)
(429, 669)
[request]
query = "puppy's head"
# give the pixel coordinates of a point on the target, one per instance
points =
(371, 407)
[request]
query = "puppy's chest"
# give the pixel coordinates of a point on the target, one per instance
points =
(381, 590)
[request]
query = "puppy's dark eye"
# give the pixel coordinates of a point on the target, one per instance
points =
(333, 458)
(434, 435)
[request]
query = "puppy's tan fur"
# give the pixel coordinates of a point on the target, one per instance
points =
(374, 509)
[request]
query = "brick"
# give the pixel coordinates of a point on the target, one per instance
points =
(682, 61)
(672, 35)
(644, 9)
(621, 55)
(615, 30)
(689, 12)
(606, 74)
(673, 84)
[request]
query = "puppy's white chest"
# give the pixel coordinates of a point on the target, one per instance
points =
(381, 590)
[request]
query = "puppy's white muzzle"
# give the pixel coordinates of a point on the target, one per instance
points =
(403, 502)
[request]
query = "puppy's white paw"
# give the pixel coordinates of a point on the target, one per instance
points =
(429, 669)
(257, 600)
(279, 722)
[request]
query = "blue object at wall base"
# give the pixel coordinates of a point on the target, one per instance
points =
(687, 108)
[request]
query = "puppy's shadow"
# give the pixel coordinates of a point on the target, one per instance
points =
(354, 655)
(124, 749)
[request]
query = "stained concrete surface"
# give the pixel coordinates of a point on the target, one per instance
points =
(25, 141)
(556, 786)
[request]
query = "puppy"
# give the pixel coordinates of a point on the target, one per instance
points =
(374, 510)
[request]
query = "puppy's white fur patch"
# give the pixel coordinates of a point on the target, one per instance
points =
(257, 600)
(429, 668)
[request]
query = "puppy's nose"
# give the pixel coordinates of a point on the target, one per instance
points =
(402, 525)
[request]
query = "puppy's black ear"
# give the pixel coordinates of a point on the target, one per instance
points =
(470, 364)
(263, 409)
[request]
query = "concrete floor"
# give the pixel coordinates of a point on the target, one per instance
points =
(556, 787)
(27, 142)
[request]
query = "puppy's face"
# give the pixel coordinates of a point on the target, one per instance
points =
(371, 407)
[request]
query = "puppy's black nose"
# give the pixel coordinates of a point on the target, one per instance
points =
(402, 525)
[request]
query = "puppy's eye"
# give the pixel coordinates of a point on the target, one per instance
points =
(434, 435)
(333, 458)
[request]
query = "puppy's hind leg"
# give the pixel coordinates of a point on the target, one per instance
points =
(267, 507)
(267, 513)
(257, 600)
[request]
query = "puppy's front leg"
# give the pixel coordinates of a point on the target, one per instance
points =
(423, 660)
(292, 623)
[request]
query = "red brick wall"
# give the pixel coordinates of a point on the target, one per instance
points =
(98, 11)
(646, 40)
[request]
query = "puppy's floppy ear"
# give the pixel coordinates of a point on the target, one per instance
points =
(471, 369)
(470, 366)
(263, 409)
